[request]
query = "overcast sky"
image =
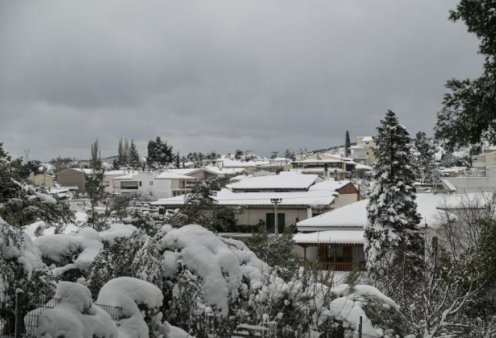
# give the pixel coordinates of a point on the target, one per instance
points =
(218, 75)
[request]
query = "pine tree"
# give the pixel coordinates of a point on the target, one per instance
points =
(19, 204)
(468, 115)
(392, 231)
(120, 156)
(159, 153)
(425, 157)
(134, 159)
(94, 183)
(125, 154)
(347, 144)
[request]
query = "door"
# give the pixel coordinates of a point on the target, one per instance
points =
(269, 221)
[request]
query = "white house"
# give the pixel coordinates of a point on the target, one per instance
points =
(152, 185)
(334, 240)
(299, 197)
(470, 184)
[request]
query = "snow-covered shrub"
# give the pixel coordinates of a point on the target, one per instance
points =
(140, 304)
(21, 268)
(277, 251)
(378, 312)
(74, 316)
(135, 256)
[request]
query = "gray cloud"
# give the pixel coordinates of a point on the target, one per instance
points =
(219, 75)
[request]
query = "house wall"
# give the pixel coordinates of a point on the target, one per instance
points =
(344, 199)
(71, 177)
(43, 180)
(490, 159)
(110, 187)
(475, 184)
(162, 188)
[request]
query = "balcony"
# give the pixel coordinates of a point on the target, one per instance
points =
(334, 266)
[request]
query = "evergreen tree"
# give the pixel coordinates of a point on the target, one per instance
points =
(238, 154)
(94, 183)
(392, 232)
(347, 144)
(425, 157)
(178, 161)
(159, 153)
(21, 205)
(134, 159)
(289, 154)
(468, 115)
(120, 156)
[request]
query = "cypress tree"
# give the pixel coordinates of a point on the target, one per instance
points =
(425, 157)
(94, 183)
(392, 232)
(134, 159)
(347, 144)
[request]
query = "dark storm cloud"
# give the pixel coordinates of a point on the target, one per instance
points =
(218, 75)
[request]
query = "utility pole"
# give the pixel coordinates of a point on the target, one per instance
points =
(276, 202)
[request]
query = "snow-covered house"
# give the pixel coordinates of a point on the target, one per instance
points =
(300, 197)
(363, 151)
(73, 177)
(324, 165)
(470, 183)
(43, 179)
(152, 185)
(334, 240)
(109, 175)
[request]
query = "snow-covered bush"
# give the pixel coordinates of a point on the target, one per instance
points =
(204, 279)
(21, 268)
(74, 316)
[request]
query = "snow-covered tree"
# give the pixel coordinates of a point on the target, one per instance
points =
(94, 183)
(347, 144)
(159, 153)
(392, 233)
(20, 204)
(123, 153)
(425, 156)
(134, 159)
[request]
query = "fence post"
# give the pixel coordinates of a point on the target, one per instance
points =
(360, 328)
(18, 313)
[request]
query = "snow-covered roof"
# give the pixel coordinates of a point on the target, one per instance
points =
(428, 205)
(116, 172)
(319, 170)
(84, 170)
(169, 175)
(360, 166)
(189, 171)
(224, 171)
(351, 215)
(285, 180)
(227, 197)
(328, 185)
(229, 163)
(330, 237)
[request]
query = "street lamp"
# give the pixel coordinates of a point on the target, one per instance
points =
(276, 202)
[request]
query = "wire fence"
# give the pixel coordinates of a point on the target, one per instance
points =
(21, 322)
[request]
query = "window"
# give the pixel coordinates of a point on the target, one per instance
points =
(270, 222)
(140, 183)
(151, 182)
(129, 185)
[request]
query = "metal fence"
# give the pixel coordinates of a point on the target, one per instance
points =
(21, 323)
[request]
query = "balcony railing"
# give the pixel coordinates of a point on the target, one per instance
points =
(334, 266)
